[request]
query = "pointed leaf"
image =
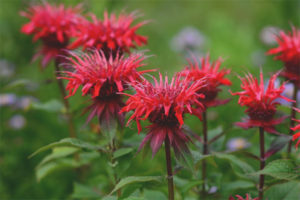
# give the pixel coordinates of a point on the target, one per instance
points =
(277, 145)
(134, 179)
(50, 106)
(83, 191)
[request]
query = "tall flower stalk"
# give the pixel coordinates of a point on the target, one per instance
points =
(164, 104)
(214, 78)
(53, 25)
(261, 108)
(288, 52)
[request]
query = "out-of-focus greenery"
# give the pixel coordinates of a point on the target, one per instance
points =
(232, 30)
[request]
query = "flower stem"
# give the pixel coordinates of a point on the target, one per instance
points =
(65, 101)
(293, 116)
(169, 169)
(205, 150)
(262, 162)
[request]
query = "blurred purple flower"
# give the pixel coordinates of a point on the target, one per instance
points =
(7, 99)
(17, 122)
(235, 144)
(7, 69)
(213, 190)
(267, 35)
(25, 102)
(189, 39)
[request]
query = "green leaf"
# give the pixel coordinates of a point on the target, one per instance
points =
(280, 169)
(134, 179)
(49, 167)
(190, 185)
(237, 185)
(285, 191)
(50, 106)
(151, 194)
(68, 142)
(240, 167)
(17, 83)
(58, 152)
(121, 152)
(83, 191)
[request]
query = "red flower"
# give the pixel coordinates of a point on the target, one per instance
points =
(213, 76)
(164, 105)
(111, 35)
(248, 197)
(54, 25)
(103, 78)
(297, 128)
(261, 102)
(288, 52)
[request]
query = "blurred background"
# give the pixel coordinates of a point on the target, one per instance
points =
(30, 103)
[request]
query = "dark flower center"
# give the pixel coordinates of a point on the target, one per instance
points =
(293, 67)
(210, 93)
(52, 41)
(261, 114)
(159, 117)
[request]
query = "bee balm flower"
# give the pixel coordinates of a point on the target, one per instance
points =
(110, 35)
(213, 76)
(238, 197)
(164, 105)
(103, 79)
(53, 25)
(297, 127)
(288, 52)
(261, 102)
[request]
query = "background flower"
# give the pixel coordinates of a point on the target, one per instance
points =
(260, 102)
(113, 34)
(54, 25)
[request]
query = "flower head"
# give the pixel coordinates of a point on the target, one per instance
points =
(213, 76)
(288, 52)
(164, 105)
(261, 102)
(53, 25)
(238, 197)
(297, 128)
(110, 35)
(103, 79)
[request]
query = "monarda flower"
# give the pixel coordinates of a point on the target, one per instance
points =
(238, 197)
(53, 25)
(164, 105)
(261, 102)
(288, 52)
(213, 78)
(103, 79)
(297, 128)
(113, 34)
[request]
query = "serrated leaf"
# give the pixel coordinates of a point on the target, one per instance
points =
(280, 169)
(134, 179)
(285, 191)
(83, 191)
(68, 142)
(121, 152)
(50, 106)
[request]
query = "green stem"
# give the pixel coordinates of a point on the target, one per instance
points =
(65, 101)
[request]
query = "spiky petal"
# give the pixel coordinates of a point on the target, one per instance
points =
(238, 197)
(103, 78)
(110, 35)
(53, 25)
(214, 78)
(288, 51)
(164, 105)
(260, 102)
(297, 128)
